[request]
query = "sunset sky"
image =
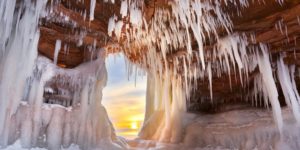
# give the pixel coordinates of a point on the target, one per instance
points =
(123, 99)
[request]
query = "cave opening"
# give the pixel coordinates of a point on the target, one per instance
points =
(124, 96)
(221, 74)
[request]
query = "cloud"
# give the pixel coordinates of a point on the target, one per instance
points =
(123, 99)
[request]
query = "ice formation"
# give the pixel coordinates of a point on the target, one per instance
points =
(170, 31)
(92, 9)
(84, 122)
(165, 105)
(36, 121)
(124, 8)
(268, 82)
(286, 80)
(26, 115)
(19, 44)
(111, 25)
(56, 50)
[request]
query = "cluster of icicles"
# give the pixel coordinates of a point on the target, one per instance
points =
(170, 58)
(170, 81)
(24, 117)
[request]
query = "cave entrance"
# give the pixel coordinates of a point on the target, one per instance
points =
(124, 96)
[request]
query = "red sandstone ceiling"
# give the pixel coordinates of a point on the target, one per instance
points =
(79, 34)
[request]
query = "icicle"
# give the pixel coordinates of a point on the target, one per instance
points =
(118, 29)
(292, 72)
(20, 52)
(111, 25)
(287, 88)
(136, 17)
(196, 30)
(7, 9)
(210, 80)
(280, 2)
(92, 9)
(124, 8)
(56, 50)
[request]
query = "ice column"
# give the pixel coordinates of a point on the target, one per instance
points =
(19, 52)
(166, 106)
(269, 84)
(56, 50)
(290, 94)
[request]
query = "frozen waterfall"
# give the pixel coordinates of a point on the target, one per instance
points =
(75, 117)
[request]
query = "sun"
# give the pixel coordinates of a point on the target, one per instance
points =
(134, 125)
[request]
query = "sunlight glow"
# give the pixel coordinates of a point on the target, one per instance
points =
(124, 100)
(134, 125)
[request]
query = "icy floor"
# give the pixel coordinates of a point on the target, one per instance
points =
(134, 145)
(17, 146)
(234, 129)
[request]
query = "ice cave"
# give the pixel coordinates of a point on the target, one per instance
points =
(216, 74)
